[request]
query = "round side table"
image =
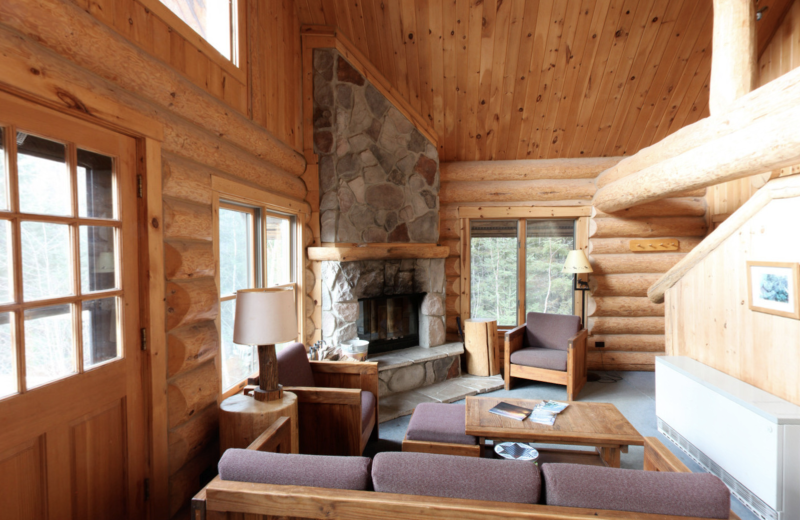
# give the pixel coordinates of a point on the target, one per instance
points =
(242, 419)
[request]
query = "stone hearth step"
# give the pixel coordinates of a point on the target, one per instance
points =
(416, 367)
(403, 403)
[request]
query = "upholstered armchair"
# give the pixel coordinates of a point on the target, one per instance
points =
(337, 401)
(549, 348)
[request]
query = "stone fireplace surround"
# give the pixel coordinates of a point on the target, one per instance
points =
(344, 283)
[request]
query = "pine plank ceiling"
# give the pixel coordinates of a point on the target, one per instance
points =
(527, 79)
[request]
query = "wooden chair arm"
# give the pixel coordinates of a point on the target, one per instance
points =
(344, 367)
(578, 339)
(514, 340)
(310, 394)
(657, 457)
(276, 439)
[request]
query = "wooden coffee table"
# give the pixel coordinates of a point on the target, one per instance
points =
(583, 424)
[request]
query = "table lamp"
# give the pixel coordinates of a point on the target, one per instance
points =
(265, 317)
(577, 263)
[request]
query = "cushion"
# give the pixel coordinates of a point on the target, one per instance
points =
(548, 358)
(681, 494)
(294, 368)
(290, 469)
(367, 410)
(452, 476)
(439, 422)
(550, 330)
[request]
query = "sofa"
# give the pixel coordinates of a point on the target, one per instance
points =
(403, 485)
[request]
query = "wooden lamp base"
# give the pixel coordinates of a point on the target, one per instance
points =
(268, 387)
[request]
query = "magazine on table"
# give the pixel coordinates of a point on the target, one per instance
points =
(511, 411)
(546, 412)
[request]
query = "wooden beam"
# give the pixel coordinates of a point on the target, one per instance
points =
(526, 170)
(734, 64)
(766, 143)
(377, 252)
(516, 191)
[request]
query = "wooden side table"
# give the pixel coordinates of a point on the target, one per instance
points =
(481, 346)
(242, 419)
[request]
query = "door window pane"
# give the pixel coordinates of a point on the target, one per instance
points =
(279, 251)
(235, 251)
(547, 289)
(99, 319)
(46, 261)
(44, 186)
(3, 175)
(98, 263)
(494, 271)
(95, 185)
(8, 365)
(49, 349)
(238, 361)
(6, 293)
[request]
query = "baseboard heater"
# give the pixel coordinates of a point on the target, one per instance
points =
(747, 437)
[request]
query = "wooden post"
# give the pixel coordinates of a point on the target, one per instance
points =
(734, 64)
(481, 346)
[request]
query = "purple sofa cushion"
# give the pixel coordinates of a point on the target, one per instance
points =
(548, 358)
(295, 470)
(367, 409)
(452, 476)
(294, 368)
(550, 330)
(681, 494)
(439, 422)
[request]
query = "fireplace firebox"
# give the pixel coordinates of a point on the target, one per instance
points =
(389, 322)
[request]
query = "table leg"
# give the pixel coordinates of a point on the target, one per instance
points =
(610, 456)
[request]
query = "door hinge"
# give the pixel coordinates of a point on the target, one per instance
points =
(144, 339)
(140, 187)
(146, 489)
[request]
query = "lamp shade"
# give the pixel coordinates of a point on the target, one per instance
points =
(577, 262)
(264, 317)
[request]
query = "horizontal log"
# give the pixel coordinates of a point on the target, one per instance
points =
(453, 286)
(526, 170)
(191, 392)
(36, 73)
(613, 246)
(635, 284)
(184, 179)
(524, 211)
(188, 440)
(185, 483)
(452, 267)
(187, 220)
(453, 244)
(98, 48)
(516, 191)
(188, 260)
(645, 325)
(632, 361)
(623, 306)
(676, 207)
(629, 342)
(634, 263)
(449, 211)
(774, 97)
(449, 229)
(453, 305)
(766, 144)
(191, 346)
(191, 302)
(377, 252)
(647, 227)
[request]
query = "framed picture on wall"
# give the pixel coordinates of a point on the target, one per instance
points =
(773, 288)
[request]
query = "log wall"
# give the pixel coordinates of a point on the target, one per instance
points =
(121, 65)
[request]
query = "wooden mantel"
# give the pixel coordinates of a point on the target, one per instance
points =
(356, 252)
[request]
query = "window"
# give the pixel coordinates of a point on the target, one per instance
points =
(60, 284)
(255, 250)
(515, 268)
(214, 20)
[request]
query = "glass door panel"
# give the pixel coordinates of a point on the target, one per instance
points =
(547, 289)
(494, 270)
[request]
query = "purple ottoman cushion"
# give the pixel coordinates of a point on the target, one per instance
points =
(439, 422)
(681, 494)
(289, 469)
(452, 476)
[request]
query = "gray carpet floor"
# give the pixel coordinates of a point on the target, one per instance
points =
(633, 393)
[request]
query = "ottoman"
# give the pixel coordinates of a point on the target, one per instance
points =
(439, 428)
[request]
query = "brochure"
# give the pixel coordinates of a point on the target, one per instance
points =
(511, 411)
(546, 412)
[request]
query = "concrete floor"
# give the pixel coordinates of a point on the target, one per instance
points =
(633, 395)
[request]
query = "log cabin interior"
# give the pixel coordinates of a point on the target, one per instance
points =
(301, 248)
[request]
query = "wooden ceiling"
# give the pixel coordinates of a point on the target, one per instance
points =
(517, 79)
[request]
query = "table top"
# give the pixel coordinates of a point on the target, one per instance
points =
(589, 424)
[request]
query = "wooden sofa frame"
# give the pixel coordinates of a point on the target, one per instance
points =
(228, 500)
(330, 412)
(575, 376)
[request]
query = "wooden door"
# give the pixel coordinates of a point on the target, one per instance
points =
(72, 419)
